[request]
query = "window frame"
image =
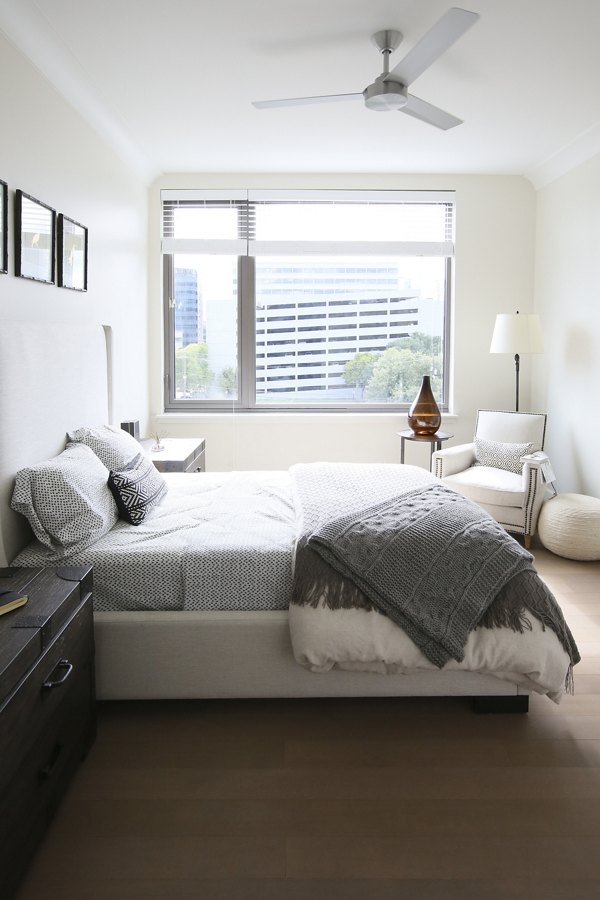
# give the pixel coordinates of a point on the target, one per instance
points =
(246, 311)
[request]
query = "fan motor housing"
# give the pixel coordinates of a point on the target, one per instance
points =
(385, 95)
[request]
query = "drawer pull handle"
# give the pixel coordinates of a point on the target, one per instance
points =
(54, 682)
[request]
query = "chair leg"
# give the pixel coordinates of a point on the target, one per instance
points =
(527, 540)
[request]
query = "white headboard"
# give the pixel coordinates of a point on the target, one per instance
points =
(54, 377)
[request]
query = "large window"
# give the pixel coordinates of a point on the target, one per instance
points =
(296, 300)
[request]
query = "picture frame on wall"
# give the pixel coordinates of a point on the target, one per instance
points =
(72, 254)
(35, 239)
(3, 227)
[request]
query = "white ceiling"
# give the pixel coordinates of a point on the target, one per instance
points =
(170, 83)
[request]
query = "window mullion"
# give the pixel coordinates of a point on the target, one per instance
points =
(169, 329)
(247, 341)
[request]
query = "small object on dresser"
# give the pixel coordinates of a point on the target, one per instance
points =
(157, 447)
(10, 600)
(132, 427)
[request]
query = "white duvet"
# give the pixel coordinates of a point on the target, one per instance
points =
(354, 639)
(366, 640)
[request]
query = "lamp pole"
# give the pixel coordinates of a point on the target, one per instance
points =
(517, 361)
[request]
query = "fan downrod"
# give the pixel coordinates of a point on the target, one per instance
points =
(383, 96)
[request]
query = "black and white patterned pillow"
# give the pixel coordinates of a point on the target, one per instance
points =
(137, 488)
(114, 447)
(66, 500)
(501, 455)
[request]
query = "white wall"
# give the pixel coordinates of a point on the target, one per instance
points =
(494, 273)
(567, 298)
(48, 151)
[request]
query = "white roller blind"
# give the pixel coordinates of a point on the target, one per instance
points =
(333, 223)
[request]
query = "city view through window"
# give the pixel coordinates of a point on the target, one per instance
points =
(359, 330)
(335, 327)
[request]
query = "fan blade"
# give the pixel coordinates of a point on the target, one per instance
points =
(433, 115)
(436, 41)
(300, 101)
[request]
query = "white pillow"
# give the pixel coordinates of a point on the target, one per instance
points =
(501, 455)
(66, 500)
(114, 447)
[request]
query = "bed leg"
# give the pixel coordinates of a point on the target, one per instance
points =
(517, 704)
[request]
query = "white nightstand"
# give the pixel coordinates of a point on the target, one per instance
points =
(179, 454)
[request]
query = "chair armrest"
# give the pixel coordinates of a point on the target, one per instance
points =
(451, 460)
(539, 463)
(535, 459)
(537, 474)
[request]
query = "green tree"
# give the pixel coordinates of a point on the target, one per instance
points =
(429, 349)
(397, 375)
(228, 381)
(192, 373)
(419, 342)
(358, 371)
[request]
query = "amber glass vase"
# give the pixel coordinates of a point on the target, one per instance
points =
(424, 416)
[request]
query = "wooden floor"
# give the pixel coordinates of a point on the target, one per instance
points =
(414, 799)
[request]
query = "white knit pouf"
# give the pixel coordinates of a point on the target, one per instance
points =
(569, 525)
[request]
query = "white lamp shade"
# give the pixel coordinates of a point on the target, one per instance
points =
(516, 333)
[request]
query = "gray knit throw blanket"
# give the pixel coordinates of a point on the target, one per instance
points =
(434, 562)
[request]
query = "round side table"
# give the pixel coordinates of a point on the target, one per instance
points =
(434, 440)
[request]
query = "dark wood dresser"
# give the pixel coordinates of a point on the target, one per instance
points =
(47, 704)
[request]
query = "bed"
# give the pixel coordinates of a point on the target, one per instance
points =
(56, 378)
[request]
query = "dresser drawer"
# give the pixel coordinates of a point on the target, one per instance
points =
(36, 787)
(48, 689)
(197, 464)
(47, 704)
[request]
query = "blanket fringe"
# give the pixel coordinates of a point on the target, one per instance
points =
(504, 612)
(313, 585)
(570, 681)
(523, 594)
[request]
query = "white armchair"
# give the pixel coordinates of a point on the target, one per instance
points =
(504, 469)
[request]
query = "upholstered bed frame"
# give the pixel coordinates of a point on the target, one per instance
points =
(54, 378)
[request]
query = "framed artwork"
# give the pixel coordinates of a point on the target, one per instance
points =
(72, 254)
(3, 226)
(35, 239)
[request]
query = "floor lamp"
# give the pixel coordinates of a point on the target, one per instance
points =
(514, 333)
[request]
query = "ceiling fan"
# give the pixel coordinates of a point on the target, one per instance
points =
(389, 90)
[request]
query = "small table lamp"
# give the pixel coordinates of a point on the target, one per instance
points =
(514, 333)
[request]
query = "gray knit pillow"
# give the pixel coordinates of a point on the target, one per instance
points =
(66, 500)
(500, 455)
(114, 447)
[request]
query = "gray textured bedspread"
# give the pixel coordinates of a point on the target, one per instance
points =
(217, 541)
